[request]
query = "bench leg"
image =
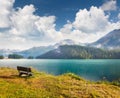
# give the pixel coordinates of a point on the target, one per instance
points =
(20, 74)
(29, 74)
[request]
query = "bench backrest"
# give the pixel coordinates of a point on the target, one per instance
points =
(20, 68)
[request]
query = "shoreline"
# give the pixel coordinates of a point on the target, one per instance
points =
(42, 85)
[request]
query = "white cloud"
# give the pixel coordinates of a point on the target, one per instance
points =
(5, 12)
(24, 27)
(23, 20)
(109, 5)
(33, 27)
(89, 25)
(46, 26)
(91, 21)
(67, 27)
(119, 16)
(21, 28)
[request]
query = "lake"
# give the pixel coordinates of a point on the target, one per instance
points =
(94, 70)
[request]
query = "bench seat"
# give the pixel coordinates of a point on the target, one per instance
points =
(24, 70)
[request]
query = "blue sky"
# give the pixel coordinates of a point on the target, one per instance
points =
(29, 23)
(63, 9)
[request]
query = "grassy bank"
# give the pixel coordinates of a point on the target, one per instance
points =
(42, 85)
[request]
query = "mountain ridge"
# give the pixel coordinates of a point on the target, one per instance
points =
(109, 41)
(79, 52)
(35, 51)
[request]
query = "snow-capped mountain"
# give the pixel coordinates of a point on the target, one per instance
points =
(68, 42)
(6, 52)
(34, 51)
(109, 41)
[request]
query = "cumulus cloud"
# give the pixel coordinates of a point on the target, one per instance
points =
(20, 28)
(119, 16)
(109, 5)
(5, 12)
(91, 21)
(23, 20)
(28, 25)
(21, 25)
(67, 28)
(89, 25)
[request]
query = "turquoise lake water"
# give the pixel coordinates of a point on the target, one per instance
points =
(94, 70)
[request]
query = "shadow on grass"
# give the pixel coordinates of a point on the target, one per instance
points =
(9, 77)
(15, 77)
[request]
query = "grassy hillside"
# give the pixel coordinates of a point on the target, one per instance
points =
(80, 52)
(42, 85)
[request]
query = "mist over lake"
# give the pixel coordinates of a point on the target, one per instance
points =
(108, 69)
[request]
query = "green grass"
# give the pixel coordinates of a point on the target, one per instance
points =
(43, 85)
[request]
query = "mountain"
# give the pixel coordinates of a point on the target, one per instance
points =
(68, 42)
(109, 41)
(6, 52)
(35, 51)
(79, 52)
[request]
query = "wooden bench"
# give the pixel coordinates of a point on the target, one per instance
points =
(24, 70)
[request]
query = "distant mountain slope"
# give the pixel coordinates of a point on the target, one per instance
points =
(110, 41)
(6, 52)
(68, 42)
(35, 51)
(79, 52)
